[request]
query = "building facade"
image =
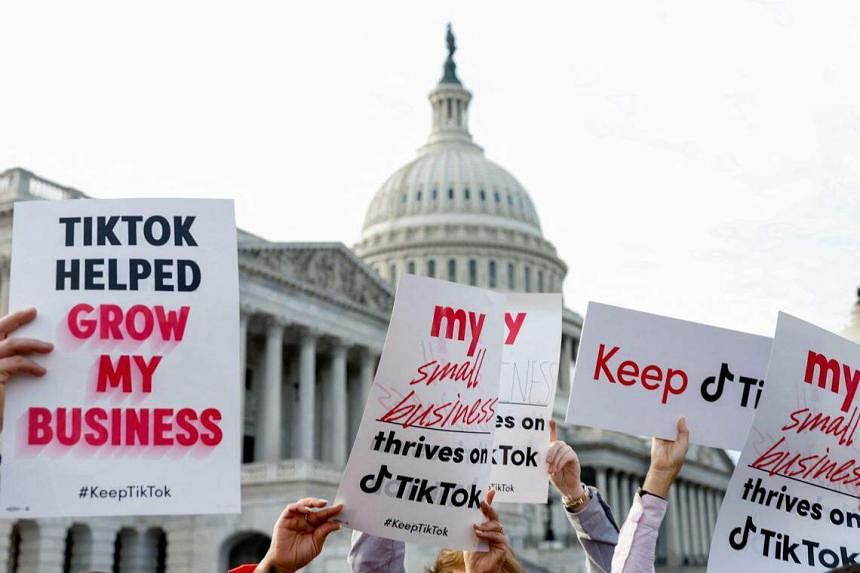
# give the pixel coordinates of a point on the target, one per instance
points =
(313, 322)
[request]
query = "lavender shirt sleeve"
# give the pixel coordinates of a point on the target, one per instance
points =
(637, 542)
(596, 531)
(371, 554)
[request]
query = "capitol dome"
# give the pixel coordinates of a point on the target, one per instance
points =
(454, 214)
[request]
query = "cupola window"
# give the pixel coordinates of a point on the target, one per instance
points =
(510, 276)
(435, 193)
(450, 193)
(483, 195)
(466, 193)
(452, 270)
(410, 268)
(492, 273)
(418, 196)
(473, 272)
(431, 268)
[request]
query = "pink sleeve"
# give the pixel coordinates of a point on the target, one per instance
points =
(637, 540)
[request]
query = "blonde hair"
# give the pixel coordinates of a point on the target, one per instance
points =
(451, 561)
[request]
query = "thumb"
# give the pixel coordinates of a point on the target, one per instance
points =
(553, 431)
(326, 529)
(683, 431)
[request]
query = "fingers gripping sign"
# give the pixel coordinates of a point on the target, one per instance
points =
(15, 352)
(667, 459)
(299, 534)
(491, 532)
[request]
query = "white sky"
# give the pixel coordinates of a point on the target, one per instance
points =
(686, 158)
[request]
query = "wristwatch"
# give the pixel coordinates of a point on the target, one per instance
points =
(575, 504)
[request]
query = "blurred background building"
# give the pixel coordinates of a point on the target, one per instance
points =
(313, 322)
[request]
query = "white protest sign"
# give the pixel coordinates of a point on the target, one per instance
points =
(420, 463)
(792, 503)
(526, 396)
(638, 373)
(138, 412)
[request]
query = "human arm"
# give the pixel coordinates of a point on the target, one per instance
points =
(637, 543)
(299, 535)
(586, 511)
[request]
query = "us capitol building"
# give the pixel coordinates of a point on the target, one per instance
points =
(313, 322)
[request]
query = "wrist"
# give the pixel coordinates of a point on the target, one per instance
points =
(574, 501)
(658, 481)
(270, 565)
(572, 491)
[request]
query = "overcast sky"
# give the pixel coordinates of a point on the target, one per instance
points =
(686, 158)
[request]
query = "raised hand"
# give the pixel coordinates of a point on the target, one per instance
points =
(563, 465)
(14, 351)
(493, 533)
(299, 535)
(667, 459)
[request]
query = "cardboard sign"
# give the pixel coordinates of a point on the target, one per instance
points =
(420, 463)
(638, 373)
(138, 411)
(526, 396)
(793, 503)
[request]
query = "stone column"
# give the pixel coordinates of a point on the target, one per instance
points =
(243, 369)
(633, 482)
(704, 528)
(615, 497)
(338, 396)
(624, 498)
(307, 394)
(180, 545)
(675, 551)
(268, 444)
(43, 547)
(602, 484)
(5, 543)
(564, 363)
(713, 510)
(137, 553)
(367, 371)
(695, 537)
(102, 546)
(4, 286)
(684, 518)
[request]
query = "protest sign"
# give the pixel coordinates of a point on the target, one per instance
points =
(792, 503)
(526, 395)
(638, 373)
(420, 463)
(138, 412)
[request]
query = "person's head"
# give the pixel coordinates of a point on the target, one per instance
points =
(451, 561)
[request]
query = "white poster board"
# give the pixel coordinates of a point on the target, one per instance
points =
(792, 503)
(138, 412)
(420, 463)
(529, 375)
(638, 373)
